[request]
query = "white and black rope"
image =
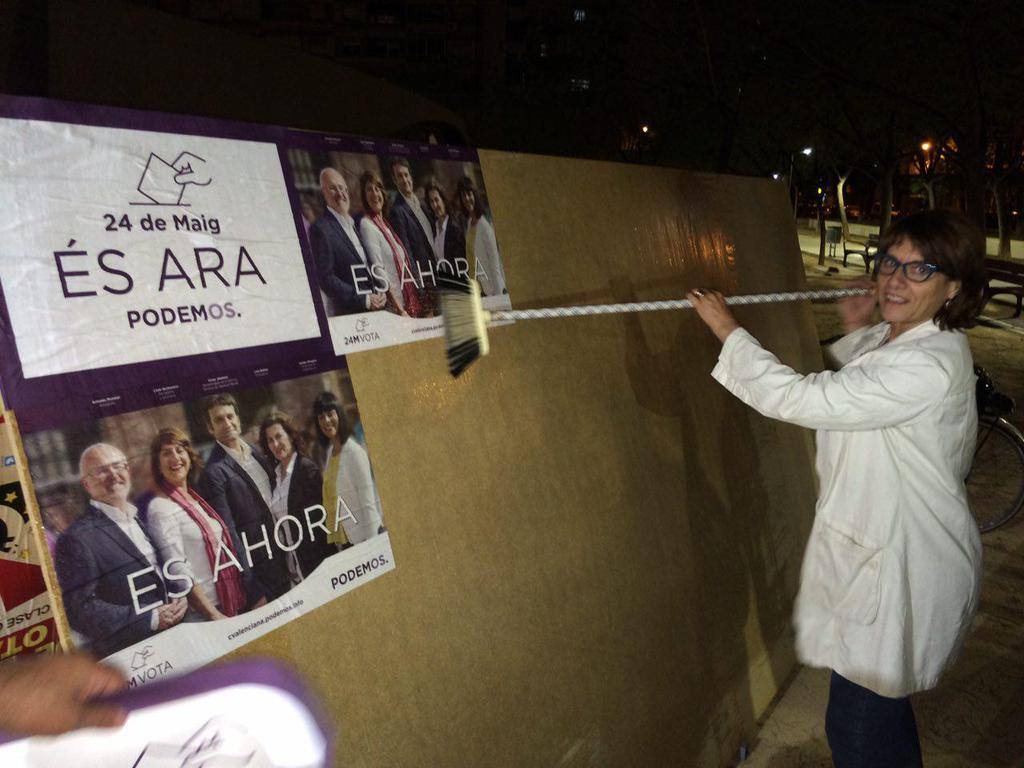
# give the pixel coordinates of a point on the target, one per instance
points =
(652, 306)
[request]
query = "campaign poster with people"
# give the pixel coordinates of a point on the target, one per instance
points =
(194, 440)
(182, 531)
(383, 220)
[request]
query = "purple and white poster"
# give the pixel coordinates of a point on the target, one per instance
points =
(176, 295)
(383, 220)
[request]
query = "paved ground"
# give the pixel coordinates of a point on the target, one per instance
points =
(976, 717)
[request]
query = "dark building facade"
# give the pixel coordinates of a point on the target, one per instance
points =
(505, 66)
(236, 60)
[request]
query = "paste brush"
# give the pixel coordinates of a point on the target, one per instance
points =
(466, 320)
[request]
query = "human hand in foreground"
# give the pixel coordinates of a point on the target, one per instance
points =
(711, 307)
(51, 694)
(171, 613)
(856, 311)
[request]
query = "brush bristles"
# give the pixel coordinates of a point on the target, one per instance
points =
(465, 322)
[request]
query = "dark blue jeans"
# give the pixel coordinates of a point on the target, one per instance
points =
(866, 730)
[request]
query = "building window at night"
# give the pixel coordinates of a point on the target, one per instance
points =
(579, 84)
(543, 50)
(580, 14)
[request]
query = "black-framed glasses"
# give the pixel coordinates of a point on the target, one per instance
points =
(915, 271)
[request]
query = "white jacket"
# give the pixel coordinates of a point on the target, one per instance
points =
(892, 570)
(489, 271)
(355, 485)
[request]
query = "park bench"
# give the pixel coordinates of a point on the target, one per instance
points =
(1005, 278)
(864, 246)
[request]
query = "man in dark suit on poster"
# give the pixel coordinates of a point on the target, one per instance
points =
(238, 483)
(341, 261)
(107, 565)
(414, 223)
(449, 238)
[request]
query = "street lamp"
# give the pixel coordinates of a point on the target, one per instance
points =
(926, 146)
(793, 189)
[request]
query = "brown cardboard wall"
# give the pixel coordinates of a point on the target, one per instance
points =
(596, 547)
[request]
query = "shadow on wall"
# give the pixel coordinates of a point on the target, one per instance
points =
(744, 536)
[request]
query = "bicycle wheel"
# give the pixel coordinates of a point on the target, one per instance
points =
(995, 485)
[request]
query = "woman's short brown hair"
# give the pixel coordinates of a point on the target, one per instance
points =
(173, 436)
(957, 247)
(368, 179)
(285, 421)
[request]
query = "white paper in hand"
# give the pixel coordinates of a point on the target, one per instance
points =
(244, 715)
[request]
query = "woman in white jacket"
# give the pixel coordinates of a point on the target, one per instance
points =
(388, 256)
(481, 245)
(892, 570)
(349, 493)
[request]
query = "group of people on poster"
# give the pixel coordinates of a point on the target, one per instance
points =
(390, 256)
(211, 539)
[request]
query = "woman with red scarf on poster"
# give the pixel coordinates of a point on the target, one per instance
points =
(385, 249)
(186, 528)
